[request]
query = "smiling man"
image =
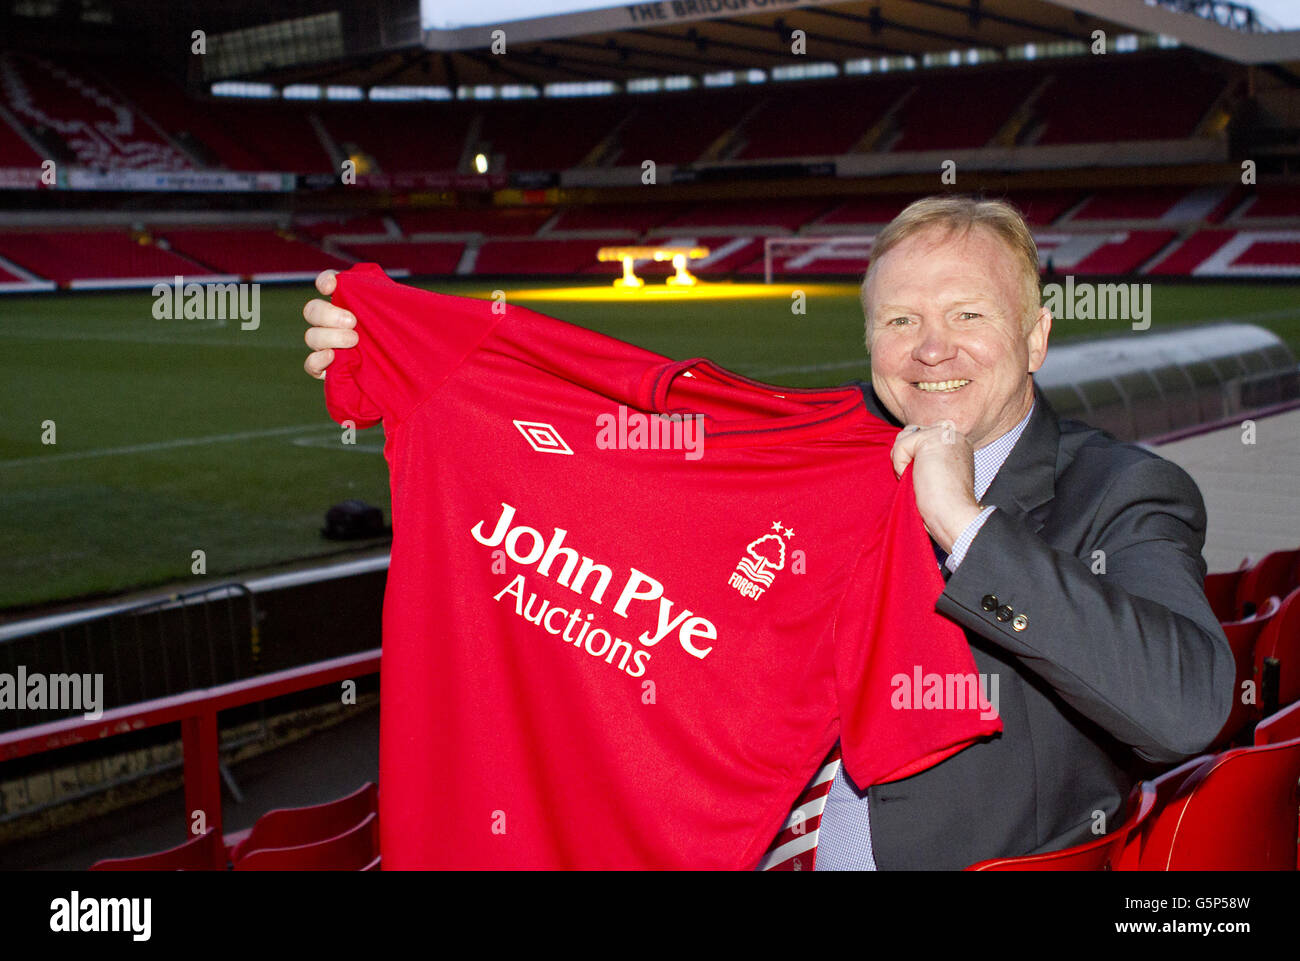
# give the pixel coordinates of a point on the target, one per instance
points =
(1072, 560)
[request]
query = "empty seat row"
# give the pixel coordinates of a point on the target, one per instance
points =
(340, 835)
(1237, 810)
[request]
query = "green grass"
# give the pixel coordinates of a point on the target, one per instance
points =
(118, 503)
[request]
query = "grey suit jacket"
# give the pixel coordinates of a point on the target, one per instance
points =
(1105, 676)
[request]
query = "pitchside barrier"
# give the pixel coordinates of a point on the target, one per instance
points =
(112, 656)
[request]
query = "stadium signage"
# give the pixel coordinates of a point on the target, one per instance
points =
(21, 178)
(751, 171)
(641, 13)
(179, 182)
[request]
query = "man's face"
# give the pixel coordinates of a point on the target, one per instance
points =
(949, 307)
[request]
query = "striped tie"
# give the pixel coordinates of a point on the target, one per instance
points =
(795, 848)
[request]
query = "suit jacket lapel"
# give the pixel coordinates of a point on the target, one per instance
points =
(1026, 482)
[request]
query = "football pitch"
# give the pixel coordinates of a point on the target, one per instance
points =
(177, 436)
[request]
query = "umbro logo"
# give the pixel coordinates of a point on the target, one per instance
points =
(542, 437)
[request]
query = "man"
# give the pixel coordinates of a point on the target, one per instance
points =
(1074, 562)
(1095, 671)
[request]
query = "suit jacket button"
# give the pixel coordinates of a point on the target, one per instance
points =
(1004, 613)
(1019, 622)
(990, 602)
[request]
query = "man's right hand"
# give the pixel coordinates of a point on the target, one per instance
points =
(331, 327)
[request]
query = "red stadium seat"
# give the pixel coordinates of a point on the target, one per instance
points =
(1221, 592)
(203, 853)
(1101, 854)
(1238, 811)
(1276, 573)
(354, 850)
(1243, 637)
(1279, 727)
(1166, 787)
(1280, 639)
(291, 827)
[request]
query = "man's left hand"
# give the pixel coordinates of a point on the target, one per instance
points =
(943, 476)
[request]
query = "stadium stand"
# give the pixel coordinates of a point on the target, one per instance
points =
(1186, 257)
(96, 258)
(1272, 201)
(1124, 253)
(69, 112)
(560, 137)
(727, 254)
(536, 256)
(189, 125)
(428, 258)
(846, 113)
(775, 215)
(487, 221)
(613, 220)
(673, 128)
(14, 150)
(278, 137)
(1089, 102)
(1135, 203)
(939, 115)
(256, 254)
(320, 227)
(386, 135)
(1271, 253)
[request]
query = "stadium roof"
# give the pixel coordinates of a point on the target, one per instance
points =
(448, 43)
(667, 37)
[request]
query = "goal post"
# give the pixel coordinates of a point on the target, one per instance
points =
(852, 252)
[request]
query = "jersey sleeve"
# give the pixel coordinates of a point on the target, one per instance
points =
(908, 689)
(408, 342)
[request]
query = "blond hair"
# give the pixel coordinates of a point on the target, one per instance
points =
(959, 214)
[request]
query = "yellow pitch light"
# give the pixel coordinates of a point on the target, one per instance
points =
(629, 255)
(481, 163)
(720, 291)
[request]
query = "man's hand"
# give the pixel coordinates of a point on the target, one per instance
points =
(943, 476)
(331, 327)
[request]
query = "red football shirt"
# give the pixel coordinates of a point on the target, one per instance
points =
(619, 640)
